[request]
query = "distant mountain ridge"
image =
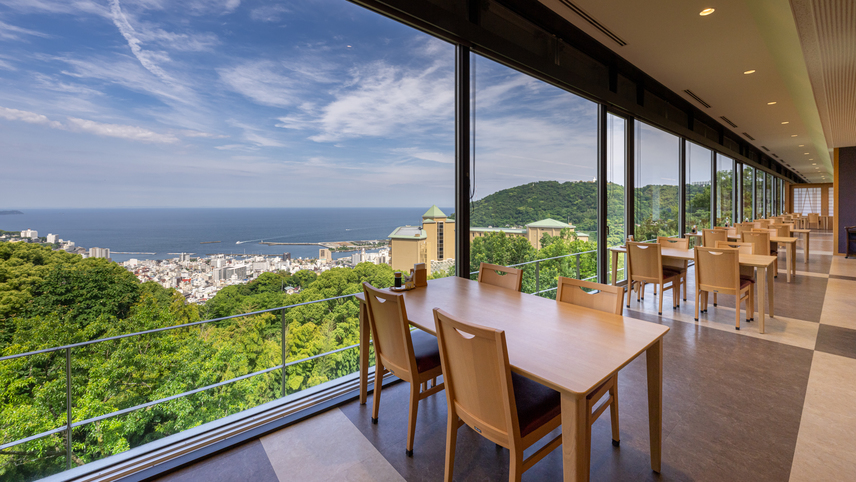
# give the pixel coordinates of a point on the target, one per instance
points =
(10, 212)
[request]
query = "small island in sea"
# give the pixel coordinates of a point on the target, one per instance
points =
(10, 212)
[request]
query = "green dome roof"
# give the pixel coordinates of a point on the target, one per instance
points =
(434, 212)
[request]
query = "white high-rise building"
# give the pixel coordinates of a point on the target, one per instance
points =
(52, 238)
(99, 253)
(29, 233)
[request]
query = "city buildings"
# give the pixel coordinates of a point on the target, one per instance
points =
(434, 241)
(99, 253)
(532, 231)
(29, 233)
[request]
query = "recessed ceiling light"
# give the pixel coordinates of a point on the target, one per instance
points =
(749, 72)
(793, 135)
(706, 12)
(770, 103)
(786, 122)
(802, 145)
(806, 153)
(813, 163)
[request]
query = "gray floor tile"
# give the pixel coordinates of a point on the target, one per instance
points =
(836, 340)
(245, 462)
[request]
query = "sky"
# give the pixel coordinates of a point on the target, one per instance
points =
(236, 103)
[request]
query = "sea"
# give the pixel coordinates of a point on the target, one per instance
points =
(169, 232)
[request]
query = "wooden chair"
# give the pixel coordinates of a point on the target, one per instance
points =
(746, 272)
(674, 265)
(717, 271)
(494, 274)
(744, 227)
(608, 298)
(411, 356)
(481, 391)
(813, 221)
(761, 240)
(783, 230)
(645, 265)
(762, 224)
(711, 236)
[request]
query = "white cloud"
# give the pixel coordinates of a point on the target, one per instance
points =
(261, 141)
(268, 13)
(236, 147)
(148, 59)
(121, 131)
(57, 6)
(6, 65)
(441, 157)
(29, 117)
(206, 135)
(389, 101)
(11, 32)
(261, 82)
(185, 42)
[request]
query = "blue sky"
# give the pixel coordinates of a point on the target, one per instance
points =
(231, 103)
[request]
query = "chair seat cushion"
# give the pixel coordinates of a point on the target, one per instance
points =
(426, 350)
(670, 273)
(745, 282)
(748, 277)
(536, 404)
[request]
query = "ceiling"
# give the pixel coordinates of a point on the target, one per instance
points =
(815, 101)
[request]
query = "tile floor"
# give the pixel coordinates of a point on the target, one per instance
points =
(738, 405)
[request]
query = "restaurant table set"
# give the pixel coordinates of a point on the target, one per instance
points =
(550, 346)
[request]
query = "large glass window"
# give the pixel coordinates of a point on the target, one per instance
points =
(534, 177)
(748, 193)
(656, 198)
(807, 200)
(298, 122)
(759, 194)
(698, 187)
(616, 152)
(724, 190)
(768, 195)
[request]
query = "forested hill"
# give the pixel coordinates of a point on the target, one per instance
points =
(574, 202)
(521, 205)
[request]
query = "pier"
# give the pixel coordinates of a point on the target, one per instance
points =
(125, 252)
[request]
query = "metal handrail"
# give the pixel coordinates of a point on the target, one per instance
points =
(69, 425)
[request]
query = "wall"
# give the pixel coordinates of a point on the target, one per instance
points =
(845, 193)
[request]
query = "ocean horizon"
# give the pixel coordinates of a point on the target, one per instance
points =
(167, 231)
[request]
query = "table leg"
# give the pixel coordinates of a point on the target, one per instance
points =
(364, 352)
(807, 243)
(789, 255)
(614, 267)
(575, 451)
(770, 290)
(654, 361)
(762, 297)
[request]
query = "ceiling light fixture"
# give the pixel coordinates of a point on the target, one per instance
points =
(802, 145)
(806, 153)
(786, 122)
(706, 12)
(793, 135)
(749, 72)
(770, 103)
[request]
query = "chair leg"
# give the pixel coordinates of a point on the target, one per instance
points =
(696, 303)
(629, 291)
(515, 471)
(751, 313)
(378, 385)
(411, 418)
(613, 411)
(684, 282)
(714, 299)
(661, 298)
(737, 319)
(451, 441)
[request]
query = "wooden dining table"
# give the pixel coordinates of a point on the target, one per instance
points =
(764, 279)
(568, 348)
(790, 252)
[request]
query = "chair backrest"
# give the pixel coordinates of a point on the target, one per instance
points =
(760, 240)
(477, 377)
(718, 269)
(742, 248)
(494, 274)
(744, 227)
(390, 329)
(711, 236)
(608, 298)
(677, 243)
(782, 230)
(645, 262)
(761, 224)
(813, 217)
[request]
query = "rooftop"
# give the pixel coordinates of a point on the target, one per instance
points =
(549, 223)
(408, 232)
(434, 212)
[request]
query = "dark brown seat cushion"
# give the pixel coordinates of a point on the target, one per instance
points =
(426, 350)
(745, 282)
(670, 273)
(536, 404)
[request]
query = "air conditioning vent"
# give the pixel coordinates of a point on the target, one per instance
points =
(728, 121)
(697, 98)
(594, 23)
(748, 136)
(765, 148)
